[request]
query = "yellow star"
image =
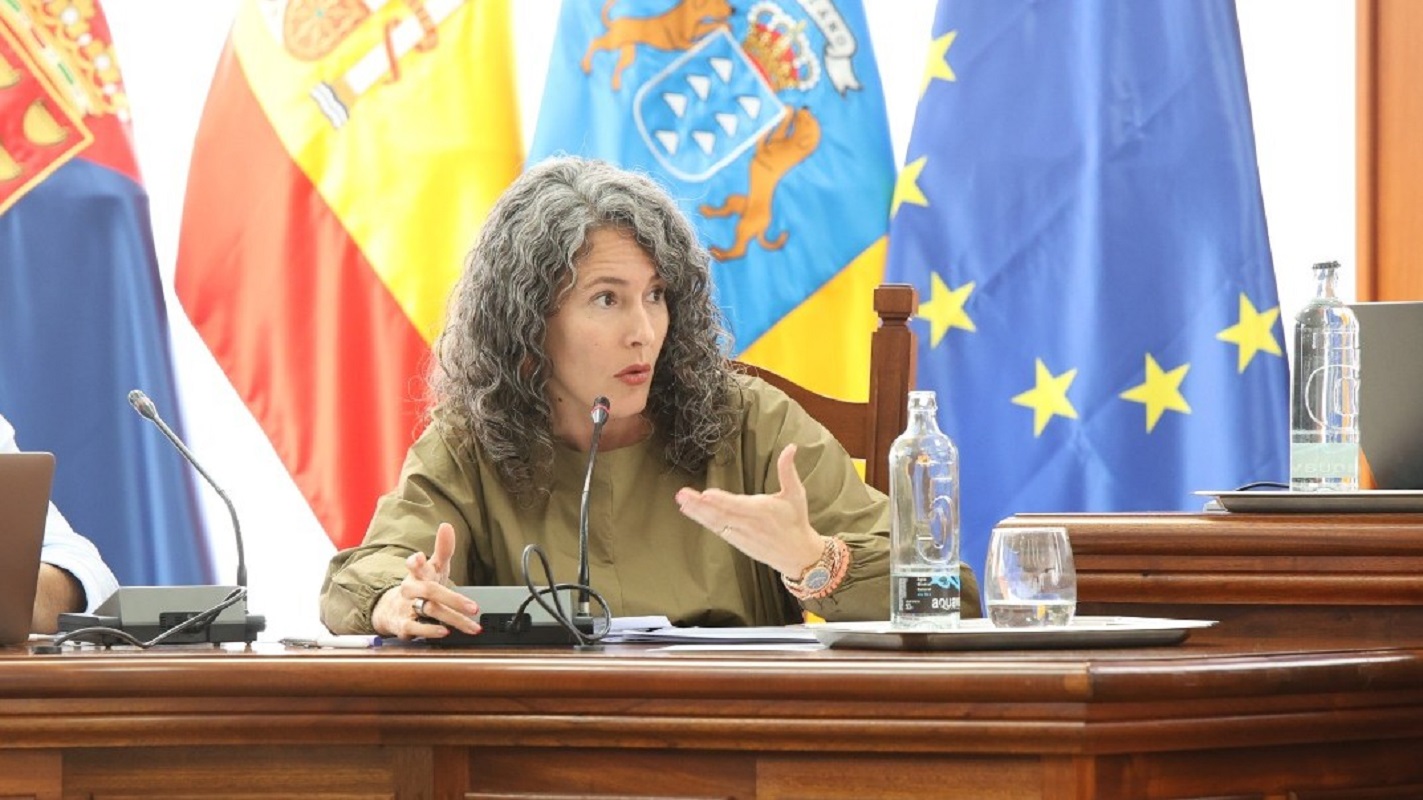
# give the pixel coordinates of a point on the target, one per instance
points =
(1048, 397)
(1161, 392)
(938, 64)
(906, 189)
(945, 308)
(1254, 332)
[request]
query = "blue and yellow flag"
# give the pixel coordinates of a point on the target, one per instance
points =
(767, 122)
(1080, 210)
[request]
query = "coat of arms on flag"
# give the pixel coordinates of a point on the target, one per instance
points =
(382, 132)
(82, 315)
(767, 123)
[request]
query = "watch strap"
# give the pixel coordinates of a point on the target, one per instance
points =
(834, 559)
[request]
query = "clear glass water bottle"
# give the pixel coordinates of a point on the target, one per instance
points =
(924, 528)
(1324, 396)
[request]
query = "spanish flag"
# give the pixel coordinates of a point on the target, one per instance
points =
(347, 156)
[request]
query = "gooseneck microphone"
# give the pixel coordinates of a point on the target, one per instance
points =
(534, 614)
(144, 616)
(601, 407)
(149, 411)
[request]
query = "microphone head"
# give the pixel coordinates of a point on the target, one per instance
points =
(142, 404)
(601, 407)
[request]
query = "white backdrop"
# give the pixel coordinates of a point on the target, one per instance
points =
(1301, 91)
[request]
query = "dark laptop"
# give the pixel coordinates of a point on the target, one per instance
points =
(1391, 391)
(24, 501)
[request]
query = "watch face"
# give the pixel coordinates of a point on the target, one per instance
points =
(816, 579)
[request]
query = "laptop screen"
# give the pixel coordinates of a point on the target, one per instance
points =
(1390, 390)
(24, 500)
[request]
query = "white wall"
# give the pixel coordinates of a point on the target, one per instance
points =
(1302, 93)
(1302, 98)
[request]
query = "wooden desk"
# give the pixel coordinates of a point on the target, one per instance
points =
(1354, 579)
(1199, 719)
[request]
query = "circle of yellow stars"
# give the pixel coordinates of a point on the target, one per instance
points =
(947, 308)
(937, 64)
(1254, 333)
(1048, 397)
(1160, 390)
(936, 67)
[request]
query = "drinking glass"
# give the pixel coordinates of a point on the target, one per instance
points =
(1029, 578)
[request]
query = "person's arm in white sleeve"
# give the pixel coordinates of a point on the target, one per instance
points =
(76, 555)
(76, 577)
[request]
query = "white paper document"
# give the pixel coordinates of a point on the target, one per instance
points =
(658, 630)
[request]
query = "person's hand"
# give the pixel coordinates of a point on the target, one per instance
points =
(771, 528)
(425, 593)
(56, 593)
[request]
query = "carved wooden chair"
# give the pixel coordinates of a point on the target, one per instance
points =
(866, 430)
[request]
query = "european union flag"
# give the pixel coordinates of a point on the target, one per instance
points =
(767, 123)
(1080, 211)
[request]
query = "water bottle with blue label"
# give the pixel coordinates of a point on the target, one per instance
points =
(924, 527)
(1324, 396)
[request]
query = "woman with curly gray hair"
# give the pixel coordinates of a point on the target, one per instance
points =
(716, 499)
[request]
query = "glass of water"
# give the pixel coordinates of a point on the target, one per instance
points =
(1029, 578)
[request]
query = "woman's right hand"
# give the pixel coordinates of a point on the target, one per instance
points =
(424, 604)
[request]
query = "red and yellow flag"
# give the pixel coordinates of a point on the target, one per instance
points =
(348, 153)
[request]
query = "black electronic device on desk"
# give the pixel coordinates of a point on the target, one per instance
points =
(511, 617)
(25, 480)
(1390, 385)
(213, 614)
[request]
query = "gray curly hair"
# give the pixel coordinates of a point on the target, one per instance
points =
(491, 370)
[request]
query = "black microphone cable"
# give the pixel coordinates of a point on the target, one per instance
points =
(107, 637)
(555, 608)
(547, 595)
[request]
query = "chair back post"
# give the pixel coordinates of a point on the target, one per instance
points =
(893, 356)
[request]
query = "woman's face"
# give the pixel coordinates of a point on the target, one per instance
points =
(605, 337)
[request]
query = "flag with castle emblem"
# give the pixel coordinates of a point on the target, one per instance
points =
(767, 122)
(347, 155)
(1080, 211)
(82, 316)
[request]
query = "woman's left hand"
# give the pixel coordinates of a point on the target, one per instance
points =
(771, 528)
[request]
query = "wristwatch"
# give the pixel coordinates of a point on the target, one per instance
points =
(824, 576)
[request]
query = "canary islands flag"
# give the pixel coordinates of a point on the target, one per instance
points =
(346, 158)
(1080, 211)
(82, 315)
(767, 122)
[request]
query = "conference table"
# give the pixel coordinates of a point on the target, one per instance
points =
(1229, 712)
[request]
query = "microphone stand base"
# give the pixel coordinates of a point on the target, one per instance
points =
(505, 625)
(502, 630)
(145, 612)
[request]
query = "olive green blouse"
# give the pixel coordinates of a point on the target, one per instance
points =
(645, 557)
